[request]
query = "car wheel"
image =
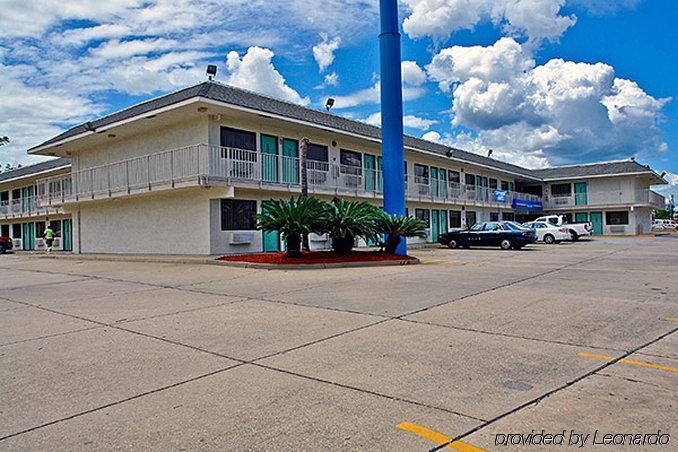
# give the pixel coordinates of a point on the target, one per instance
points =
(574, 235)
(506, 244)
(549, 239)
(452, 244)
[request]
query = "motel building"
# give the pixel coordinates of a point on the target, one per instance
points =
(184, 173)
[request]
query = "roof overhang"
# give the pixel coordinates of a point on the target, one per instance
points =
(660, 180)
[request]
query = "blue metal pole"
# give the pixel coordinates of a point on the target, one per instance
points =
(393, 154)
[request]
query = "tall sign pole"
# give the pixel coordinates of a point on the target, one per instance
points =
(393, 154)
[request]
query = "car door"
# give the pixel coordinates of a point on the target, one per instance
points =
(494, 234)
(474, 235)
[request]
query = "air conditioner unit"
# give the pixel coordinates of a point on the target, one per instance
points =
(16, 243)
(241, 238)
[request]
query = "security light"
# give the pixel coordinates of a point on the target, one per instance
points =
(211, 71)
(663, 174)
(329, 104)
(489, 153)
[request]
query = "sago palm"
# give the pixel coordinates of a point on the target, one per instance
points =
(397, 226)
(292, 218)
(347, 220)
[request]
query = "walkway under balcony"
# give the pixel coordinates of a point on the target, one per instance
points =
(203, 165)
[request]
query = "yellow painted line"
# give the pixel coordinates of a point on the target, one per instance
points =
(671, 319)
(630, 361)
(438, 437)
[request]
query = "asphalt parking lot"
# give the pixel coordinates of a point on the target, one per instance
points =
(469, 345)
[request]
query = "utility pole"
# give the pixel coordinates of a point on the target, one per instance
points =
(303, 152)
(392, 147)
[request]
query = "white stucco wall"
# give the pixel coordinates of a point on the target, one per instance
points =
(172, 222)
(167, 136)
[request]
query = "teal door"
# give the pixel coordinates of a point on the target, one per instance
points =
(479, 188)
(271, 241)
(597, 223)
(442, 190)
(435, 225)
(269, 158)
(581, 217)
(370, 172)
(443, 221)
(580, 196)
(486, 184)
(434, 186)
(27, 199)
(67, 235)
(290, 167)
(380, 174)
(28, 236)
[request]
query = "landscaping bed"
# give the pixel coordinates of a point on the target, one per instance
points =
(320, 259)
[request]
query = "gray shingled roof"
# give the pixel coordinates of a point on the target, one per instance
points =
(594, 169)
(248, 99)
(32, 169)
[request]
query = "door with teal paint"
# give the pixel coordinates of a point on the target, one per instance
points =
(28, 236)
(597, 223)
(380, 174)
(442, 190)
(581, 217)
(27, 194)
(370, 172)
(290, 163)
(580, 194)
(269, 158)
(66, 235)
(434, 181)
(435, 225)
(443, 221)
(479, 188)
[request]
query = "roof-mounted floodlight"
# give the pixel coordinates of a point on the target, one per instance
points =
(329, 104)
(211, 71)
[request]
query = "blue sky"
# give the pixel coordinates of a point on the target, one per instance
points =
(541, 82)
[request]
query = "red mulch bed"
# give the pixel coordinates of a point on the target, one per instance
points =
(314, 257)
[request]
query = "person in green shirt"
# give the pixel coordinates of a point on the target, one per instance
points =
(49, 238)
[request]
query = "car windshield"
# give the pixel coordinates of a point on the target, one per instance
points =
(514, 226)
(477, 227)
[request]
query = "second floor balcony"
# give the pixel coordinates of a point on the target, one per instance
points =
(25, 207)
(213, 165)
(645, 197)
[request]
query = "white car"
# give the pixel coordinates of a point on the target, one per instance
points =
(548, 233)
(664, 225)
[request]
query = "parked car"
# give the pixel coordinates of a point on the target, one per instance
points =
(548, 233)
(576, 230)
(664, 225)
(5, 244)
(492, 233)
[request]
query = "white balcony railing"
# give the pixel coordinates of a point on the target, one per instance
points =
(608, 198)
(24, 207)
(204, 165)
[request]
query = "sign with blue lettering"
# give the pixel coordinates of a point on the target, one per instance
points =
(526, 204)
(500, 195)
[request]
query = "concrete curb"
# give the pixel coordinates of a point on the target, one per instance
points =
(215, 261)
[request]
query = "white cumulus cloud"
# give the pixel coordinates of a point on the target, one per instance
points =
(413, 79)
(255, 71)
(534, 19)
(411, 121)
(560, 111)
(323, 52)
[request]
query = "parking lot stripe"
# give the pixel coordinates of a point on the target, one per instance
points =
(630, 361)
(671, 319)
(438, 437)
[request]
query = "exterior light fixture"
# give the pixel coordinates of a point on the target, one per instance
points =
(211, 71)
(489, 153)
(329, 104)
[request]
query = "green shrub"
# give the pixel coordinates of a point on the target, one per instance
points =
(293, 218)
(398, 226)
(348, 220)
